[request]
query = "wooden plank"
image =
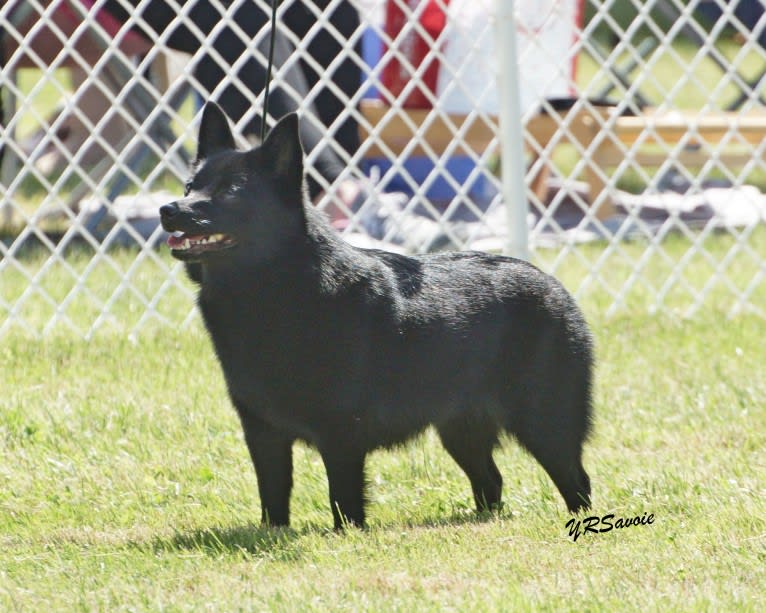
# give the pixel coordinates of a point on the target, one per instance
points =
(710, 127)
(581, 127)
(398, 130)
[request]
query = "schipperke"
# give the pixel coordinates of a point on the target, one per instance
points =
(354, 349)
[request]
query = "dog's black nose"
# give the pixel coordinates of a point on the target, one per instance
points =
(168, 210)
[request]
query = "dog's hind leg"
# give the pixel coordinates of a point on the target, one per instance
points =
(271, 453)
(470, 441)
(553, 431)
(568, 474)
(549, 414)
(345, 476)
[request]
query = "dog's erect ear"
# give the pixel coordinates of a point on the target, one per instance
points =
(282, 153)
(214, 132)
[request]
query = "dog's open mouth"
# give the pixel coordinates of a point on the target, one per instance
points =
(200, 243)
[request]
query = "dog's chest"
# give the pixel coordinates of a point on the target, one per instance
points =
(246, 335)
(270, 353)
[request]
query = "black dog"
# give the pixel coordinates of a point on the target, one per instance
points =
(351, 349)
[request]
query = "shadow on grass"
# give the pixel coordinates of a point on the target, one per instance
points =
(458, 517)
(250, 539)
(281, 543)
(247, 539)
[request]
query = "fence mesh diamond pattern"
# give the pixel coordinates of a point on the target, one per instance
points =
(644, 129)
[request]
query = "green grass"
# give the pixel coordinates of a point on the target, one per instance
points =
(125, 483)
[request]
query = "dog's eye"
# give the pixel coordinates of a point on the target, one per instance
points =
(229, 190)
(187, 187)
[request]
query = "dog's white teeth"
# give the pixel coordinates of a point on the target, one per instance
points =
(213, 238)
(185, 242)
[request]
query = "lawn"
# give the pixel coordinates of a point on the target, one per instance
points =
(125, 483)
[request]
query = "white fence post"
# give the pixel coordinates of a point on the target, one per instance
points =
(511, 133)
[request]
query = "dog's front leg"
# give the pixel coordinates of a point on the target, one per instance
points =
(345, 475)
(272, 455)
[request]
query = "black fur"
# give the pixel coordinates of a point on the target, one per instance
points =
(351, 349)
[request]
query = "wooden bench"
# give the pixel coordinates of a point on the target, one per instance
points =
(727, 136)
(598, 130)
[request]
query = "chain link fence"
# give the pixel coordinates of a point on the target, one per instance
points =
(644, 137)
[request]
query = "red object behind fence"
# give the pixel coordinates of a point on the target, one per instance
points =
(415, 47)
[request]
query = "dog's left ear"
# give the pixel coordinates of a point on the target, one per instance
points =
(282, 153)
(214, 132)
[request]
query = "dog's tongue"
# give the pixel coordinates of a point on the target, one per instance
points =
(174, 242)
